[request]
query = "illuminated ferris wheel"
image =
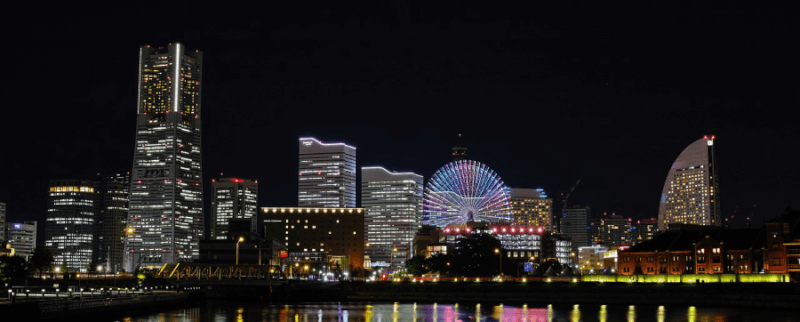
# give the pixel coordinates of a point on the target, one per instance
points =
(464, 191)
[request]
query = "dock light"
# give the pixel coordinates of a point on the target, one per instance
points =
(524, 279)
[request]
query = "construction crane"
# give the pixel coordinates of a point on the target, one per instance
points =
(564, 199)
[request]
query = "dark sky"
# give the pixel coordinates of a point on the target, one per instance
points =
(543, 94)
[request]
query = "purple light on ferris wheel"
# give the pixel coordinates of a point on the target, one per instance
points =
(463, 191)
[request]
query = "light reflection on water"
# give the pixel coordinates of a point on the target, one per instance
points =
(225, 311)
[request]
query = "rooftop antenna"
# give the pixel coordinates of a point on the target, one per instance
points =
(459, 150)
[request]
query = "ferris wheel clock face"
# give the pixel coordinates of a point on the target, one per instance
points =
(464, 191)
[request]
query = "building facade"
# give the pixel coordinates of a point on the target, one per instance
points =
(531, 207)
(232, 198)
(644, 230)
(696, 251)
(113, 192)
(328, 239)
(691, 190)
(327, 174)
(611, 231)
(393, 205)
(575, 226)
(22, 237)
(166, 201)
(71, 223)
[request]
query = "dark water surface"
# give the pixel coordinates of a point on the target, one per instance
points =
(250, 311)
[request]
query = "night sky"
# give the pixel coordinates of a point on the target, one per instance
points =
(543, 94)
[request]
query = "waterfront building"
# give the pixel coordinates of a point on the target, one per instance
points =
(166, 197)
(782, 254)
(644, 230)
(611, 231)
(531, 207)
(253, 250)
(691, 190)
(393, 205)
(426, 236)
(559, 248)
(575, 226)
(591, 259)
(71, 223)
(327, 174)
(232, 198)
(519, 243)
(112, 192)
(696, 250)
(331, 239)
(22, 237)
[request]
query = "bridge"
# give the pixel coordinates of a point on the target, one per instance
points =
(220, 272)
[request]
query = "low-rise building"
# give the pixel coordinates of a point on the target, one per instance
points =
(327, 239)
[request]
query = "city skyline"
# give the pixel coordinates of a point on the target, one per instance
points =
(591, 101)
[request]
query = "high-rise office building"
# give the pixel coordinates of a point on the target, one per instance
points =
(575, 226)
(393, 205)
(531, 207)
(611, 231)
(691, 191)
(22, 237)
(113, 192)
(327, 174)
(2, 223)
(644, 230)
(166, 200)
(232, 198)
(71, 221)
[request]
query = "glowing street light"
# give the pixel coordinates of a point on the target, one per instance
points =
(241, 239)
(497, 251)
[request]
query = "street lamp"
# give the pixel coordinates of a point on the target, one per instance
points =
(497, 251)
(241, 239)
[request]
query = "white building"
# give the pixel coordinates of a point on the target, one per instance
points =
(691, 190)
(22, 237)
(232, 198)
(393, 205)
(327, 174)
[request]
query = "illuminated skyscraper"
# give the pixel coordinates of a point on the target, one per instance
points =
(691, 191)
(531, 207)
(22, 237)
(327, 174)
(232, 198)
(71, 223)
(112, 201)
(393, 205)
(166, 203)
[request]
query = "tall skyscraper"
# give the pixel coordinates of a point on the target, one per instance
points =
(71, 223)
(113, 193)
(166, 203)
(2, 223)
(393, 205)
(531, 207)
(575, 225)
(232, 198)
(327, 176)
(645, 230)
(22, 237)
(691, 191)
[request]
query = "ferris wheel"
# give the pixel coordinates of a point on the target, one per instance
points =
(464, 191)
